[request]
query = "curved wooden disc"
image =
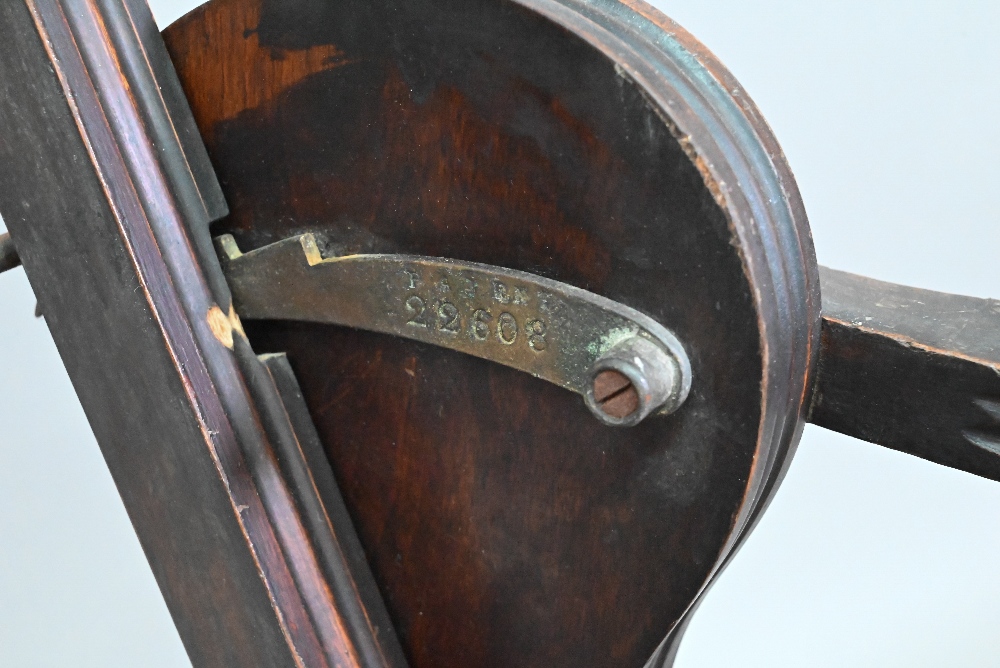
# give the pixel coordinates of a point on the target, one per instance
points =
(578, 141)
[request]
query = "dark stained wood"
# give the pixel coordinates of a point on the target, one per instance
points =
(108, 194)
(593, 143)
(55, 204)
(307, 471)
(9, 258)
(914, 370)
(587, 142)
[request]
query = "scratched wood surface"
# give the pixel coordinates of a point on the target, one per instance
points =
(58, 161)
(108, 193)
(593, 143)
(914, 370)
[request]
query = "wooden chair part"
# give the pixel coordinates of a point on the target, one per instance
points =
(358, 499)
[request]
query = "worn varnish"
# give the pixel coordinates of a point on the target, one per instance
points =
(108, 193)
(504, 525)
(302, 508)
(914, 370)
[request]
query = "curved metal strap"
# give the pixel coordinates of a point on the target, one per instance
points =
(551, 330)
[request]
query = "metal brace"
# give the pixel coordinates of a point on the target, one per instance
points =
(624, 364)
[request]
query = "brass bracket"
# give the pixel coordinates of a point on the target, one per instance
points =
(625, 364)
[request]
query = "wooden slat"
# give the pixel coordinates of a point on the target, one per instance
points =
(914, 370)
(108, 193)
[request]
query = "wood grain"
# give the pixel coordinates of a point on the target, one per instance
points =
(108, 194)
(71, 238)
(914, 370)
(575, 140)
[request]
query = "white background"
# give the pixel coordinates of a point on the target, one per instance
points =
(888, 112)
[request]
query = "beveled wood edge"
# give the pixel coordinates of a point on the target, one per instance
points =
(305, 466)
(92, 75)
(743, 165)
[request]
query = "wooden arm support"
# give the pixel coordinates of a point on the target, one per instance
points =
(914, 370)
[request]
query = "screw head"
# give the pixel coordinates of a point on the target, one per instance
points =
(615, 394)
(632, 380)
